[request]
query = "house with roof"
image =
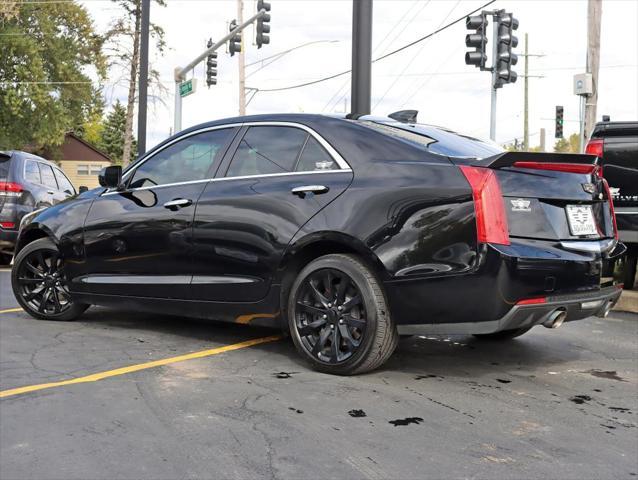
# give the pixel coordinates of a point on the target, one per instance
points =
(81, 161)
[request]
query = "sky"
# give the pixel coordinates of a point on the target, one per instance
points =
(430, 77)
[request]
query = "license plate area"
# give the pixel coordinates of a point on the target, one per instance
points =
(581, 220)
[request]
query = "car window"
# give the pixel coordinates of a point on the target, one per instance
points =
(314, 157)
(48, 178)
(438, 140)
(64, 183)
(32, 172)
(5, 163)
(186, 160)
(265, 150)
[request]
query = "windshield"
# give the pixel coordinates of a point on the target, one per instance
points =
(438, 140)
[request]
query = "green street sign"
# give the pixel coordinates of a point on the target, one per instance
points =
(187, 87)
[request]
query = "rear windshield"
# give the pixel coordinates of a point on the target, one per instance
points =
(438, 140)
(5, 162)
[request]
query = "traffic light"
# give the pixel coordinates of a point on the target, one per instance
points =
(506, 41)
(476, 40)
(263, 24)
(559, 122)
(211, 66)
(234, 44)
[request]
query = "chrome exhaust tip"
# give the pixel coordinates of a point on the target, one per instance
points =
(555, 319)
(605, 311)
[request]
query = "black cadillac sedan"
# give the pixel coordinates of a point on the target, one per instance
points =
(345, 232)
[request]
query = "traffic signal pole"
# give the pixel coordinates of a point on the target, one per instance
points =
(180, 73)
(143, 80)
(241, 62)
(494, 81)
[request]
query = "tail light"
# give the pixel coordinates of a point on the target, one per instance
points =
(595, 147)
(7, 225)
(491, 220)
(532, 301)
(10, 189)
(562, 167)
(611, 207)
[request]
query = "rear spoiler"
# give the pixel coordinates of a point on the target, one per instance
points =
(507, 159)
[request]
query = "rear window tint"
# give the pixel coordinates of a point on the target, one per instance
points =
(5, 163)
(438, 140)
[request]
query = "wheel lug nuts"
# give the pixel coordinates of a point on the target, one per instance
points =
(329, 305)
(339, 307)
(332, 326)
(325, 316)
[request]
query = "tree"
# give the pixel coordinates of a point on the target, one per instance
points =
(47, 48)
(124, 46)
(568, 145)
(112, 137)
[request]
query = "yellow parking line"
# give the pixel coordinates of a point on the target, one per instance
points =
(141, 366)
(11, 310)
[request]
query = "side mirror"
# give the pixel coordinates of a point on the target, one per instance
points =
(83, 188)
(110, 177)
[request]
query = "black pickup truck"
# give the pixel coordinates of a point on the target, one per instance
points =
(616, 143)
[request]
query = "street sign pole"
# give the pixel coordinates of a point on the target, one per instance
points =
(180, 73)
(143, 80)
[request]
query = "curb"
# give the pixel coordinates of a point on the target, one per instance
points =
(628, 302)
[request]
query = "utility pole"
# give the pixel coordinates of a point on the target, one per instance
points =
(241, 61)
(542, 139)
(527, 76)
(526, 102)
(361, 57)
(143, 80)
(594, 15)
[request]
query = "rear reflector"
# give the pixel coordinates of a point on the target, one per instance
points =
(7, 225)
(561, 167)
(611, 208)
(10, 189)
(532, 301)
(595, 147)
(491, 220)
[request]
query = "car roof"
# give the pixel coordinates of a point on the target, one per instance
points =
(26, 155)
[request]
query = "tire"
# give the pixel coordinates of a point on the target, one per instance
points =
(357, 317)
(629, 276)
(503, 335)
(39, 284)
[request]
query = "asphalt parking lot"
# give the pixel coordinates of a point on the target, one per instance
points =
(552, 404)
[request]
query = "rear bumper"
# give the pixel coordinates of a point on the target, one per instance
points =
(575, 307)
(487, 298)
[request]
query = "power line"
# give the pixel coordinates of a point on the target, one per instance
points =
(336, 75)
(338, 95)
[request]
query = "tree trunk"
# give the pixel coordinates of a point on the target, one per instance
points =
(130, 104)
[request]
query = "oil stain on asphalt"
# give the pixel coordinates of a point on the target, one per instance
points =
(580, 399)
(284, 374)
(610, 374)
(401, 422)
(357, 413)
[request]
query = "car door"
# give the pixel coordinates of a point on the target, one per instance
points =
(138, 241)
(39, 193)
(275, 179)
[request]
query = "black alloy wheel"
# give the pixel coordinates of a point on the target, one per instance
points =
(330, 316)
(40, 284)
(338, 316)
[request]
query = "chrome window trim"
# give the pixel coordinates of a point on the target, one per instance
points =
(339, 160)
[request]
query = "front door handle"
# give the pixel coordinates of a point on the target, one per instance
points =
(178, 203)
(305, 189)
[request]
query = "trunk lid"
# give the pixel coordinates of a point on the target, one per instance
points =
(550, 196)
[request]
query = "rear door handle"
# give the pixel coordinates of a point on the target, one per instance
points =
(305, 189)
(50, 192)
(178, 203)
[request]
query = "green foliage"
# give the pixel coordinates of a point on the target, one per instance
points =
(112, 136)
(568, 145)
(47, 48)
